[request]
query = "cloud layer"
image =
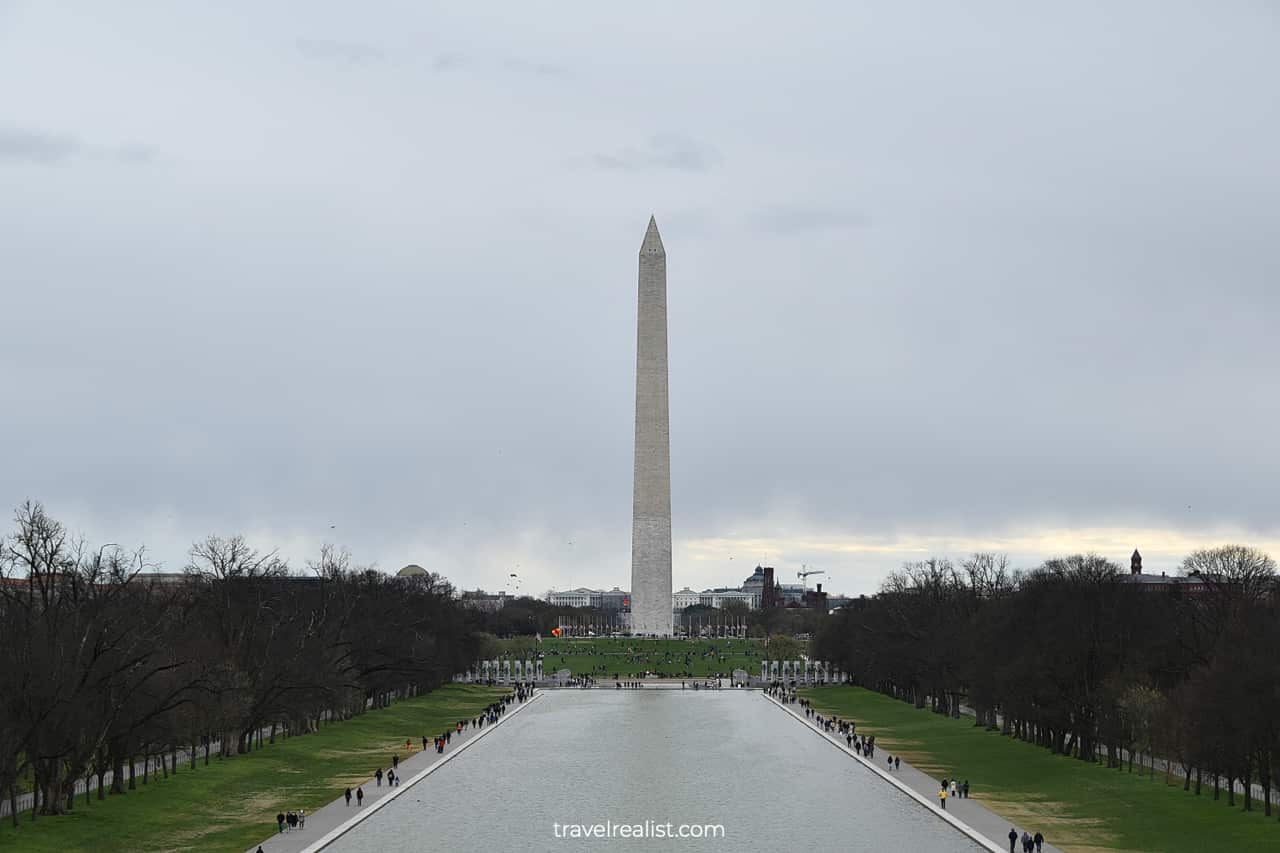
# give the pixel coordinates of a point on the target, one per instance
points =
(998, 277)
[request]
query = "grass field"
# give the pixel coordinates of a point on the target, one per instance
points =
(602, 657)
(1079, 807)
(231, 805)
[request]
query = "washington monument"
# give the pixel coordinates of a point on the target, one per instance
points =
(651, 506)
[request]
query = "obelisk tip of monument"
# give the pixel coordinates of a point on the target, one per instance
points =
(652, 239)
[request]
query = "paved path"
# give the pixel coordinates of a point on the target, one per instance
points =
(969, 816)
(327, 823)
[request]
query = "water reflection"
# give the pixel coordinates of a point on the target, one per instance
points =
(591, 757)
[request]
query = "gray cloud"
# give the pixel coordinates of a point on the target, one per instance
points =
(663, 151)
(19, 144)
(404, 304)
(340, 51)
(23, 144)
(447, 62)
(539, 69)
(798, 218)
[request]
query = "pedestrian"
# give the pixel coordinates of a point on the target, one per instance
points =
(359, 797)
(1013, 839)
(966, 789)
(897, 764)
(890, 762)
(280, 821)
(292, 820)
(1027, 843)
(424, 743)
(348, 796)
(378, 775)
(302, 818)
(395, 761)
(954, 787)
(942, 798)
(1039, 840)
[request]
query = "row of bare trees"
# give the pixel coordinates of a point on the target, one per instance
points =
(103, 663)
(1079, 658)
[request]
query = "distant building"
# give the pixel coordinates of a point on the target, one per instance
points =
(718, 598)
(413, 570)
(1187, 584)
(816, 599)
(613, 600)
(580, 597)
(487, 602)
(755, 583)
(685, 598)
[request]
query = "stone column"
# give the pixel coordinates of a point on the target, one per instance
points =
(651, 506)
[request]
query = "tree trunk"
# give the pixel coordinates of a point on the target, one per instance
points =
(117, 774)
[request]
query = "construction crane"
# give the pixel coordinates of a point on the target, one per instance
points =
(804, 573)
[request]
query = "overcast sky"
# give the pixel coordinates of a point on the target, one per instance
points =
(940, 278)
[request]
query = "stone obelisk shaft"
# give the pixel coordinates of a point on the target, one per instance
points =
(651, 508)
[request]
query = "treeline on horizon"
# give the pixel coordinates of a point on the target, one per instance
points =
(101, 665)
(1076, 658)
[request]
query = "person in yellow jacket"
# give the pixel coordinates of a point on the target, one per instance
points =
(942, 798)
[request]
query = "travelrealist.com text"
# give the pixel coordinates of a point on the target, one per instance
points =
(645, 829)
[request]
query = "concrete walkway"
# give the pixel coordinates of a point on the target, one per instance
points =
(968, 816)
(329, 822)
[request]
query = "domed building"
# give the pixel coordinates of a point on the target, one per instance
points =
(413, 570)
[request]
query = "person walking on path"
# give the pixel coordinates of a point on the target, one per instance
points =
(1039, 840)
(395, 760)
(966, 788)
(348, 796)
(1027, 843)
(954, 787)
(942, 798)
(897, 762)
(1013, 839)
(378, 775)
(280, 821)
(302, 818)
(359, 797)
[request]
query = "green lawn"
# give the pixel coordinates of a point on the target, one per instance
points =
(231, 805)
(1077, 805)
(601, 657)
